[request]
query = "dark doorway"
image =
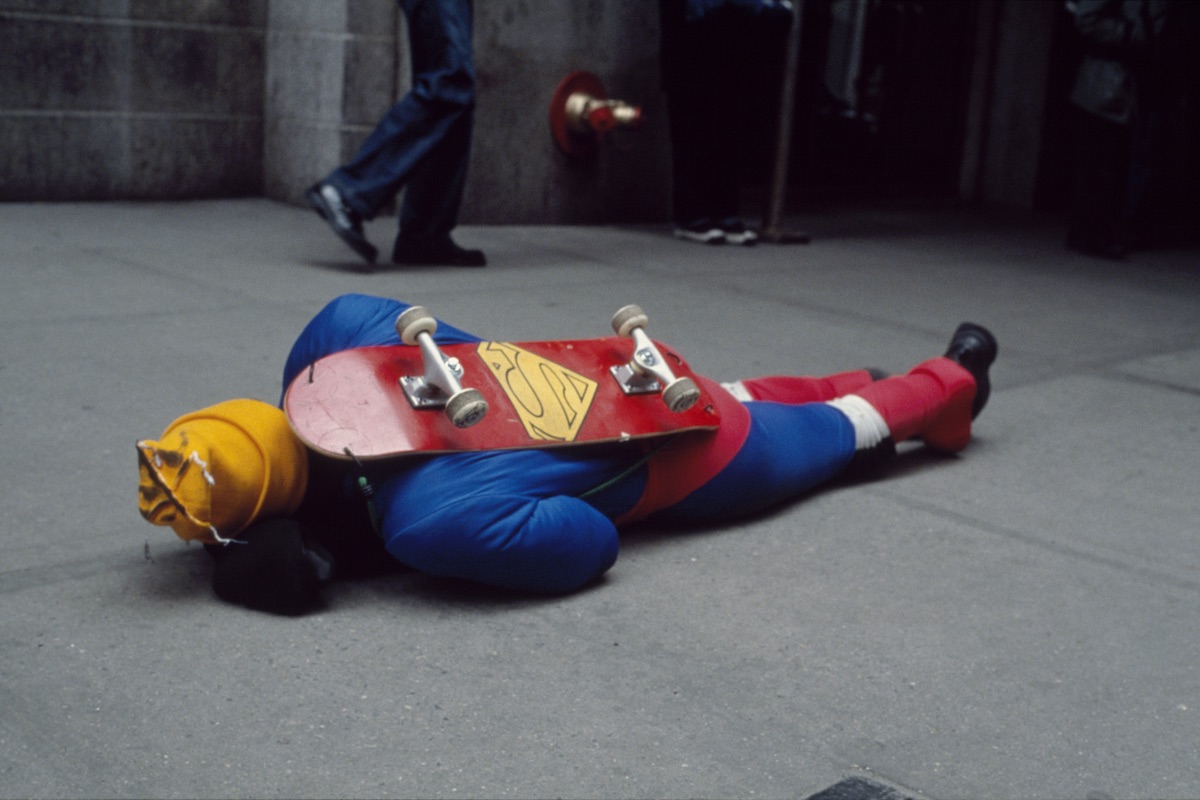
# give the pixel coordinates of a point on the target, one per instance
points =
(881, 99)
(1171, 81)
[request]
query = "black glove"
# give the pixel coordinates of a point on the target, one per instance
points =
(277, 569)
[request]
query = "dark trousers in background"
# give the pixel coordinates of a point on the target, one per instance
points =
(423, 144)
(1099, 218)
(713, 74)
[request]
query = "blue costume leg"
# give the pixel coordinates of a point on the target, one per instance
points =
(789, 450)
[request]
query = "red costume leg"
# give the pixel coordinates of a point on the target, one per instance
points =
(796, 390)
(932, 402)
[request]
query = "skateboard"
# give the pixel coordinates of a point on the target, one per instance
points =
(422, 398)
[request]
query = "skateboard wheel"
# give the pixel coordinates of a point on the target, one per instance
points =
(415, 321)
(628, 318)
(681, 394)
(465, 408)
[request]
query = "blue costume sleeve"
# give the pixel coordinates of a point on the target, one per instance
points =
(538, 544)
(355, 320)
(505, 518)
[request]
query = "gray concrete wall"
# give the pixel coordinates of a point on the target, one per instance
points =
(523, 49)
(174, 98)
(105, 99)
(332, 68)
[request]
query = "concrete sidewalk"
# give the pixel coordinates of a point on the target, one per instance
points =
(1020, 621)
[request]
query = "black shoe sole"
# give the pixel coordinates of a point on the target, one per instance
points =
(459, 257)
(357, 243)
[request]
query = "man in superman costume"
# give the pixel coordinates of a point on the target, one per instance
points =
(282, 520)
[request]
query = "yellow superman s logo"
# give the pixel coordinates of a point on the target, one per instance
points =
(551, 400)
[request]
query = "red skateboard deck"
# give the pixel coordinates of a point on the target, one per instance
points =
(539, 394)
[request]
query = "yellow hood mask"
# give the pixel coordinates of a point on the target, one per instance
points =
(215, 471)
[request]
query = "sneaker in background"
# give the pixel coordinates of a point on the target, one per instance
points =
(704, 231)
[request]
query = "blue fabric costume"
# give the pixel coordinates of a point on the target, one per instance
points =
(546, 520)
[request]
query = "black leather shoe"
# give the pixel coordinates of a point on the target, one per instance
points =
(443, 254)
(974, 347)
(345, 221)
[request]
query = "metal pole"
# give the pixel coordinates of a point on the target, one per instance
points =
(771, 231)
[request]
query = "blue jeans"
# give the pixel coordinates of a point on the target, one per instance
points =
(423, 144)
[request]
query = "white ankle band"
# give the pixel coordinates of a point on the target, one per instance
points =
(738, 390)
(869, 427)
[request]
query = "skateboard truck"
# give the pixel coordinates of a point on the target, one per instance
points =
(441, 385)
(647, 372)
(581, 113)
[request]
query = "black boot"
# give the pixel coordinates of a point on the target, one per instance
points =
(440, 253)
(974, 347)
